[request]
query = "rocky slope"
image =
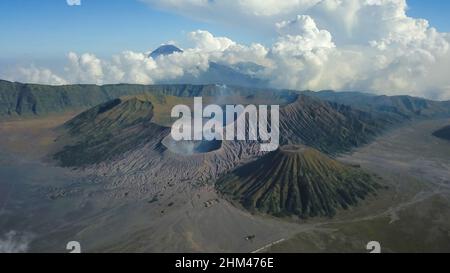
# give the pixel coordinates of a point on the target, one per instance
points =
(328, 127)
(120, 125)
(119, 144)
(107, 130)
(297, 180)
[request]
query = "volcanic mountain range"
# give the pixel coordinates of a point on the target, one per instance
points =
(124, 139)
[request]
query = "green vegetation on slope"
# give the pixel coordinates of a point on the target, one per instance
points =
(396, 107)
(297, 180)
(329, 127)
(107, 130)
(17, 99)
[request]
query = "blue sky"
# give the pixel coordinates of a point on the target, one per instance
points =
(352, 45)
(49, 29)
(435, 11)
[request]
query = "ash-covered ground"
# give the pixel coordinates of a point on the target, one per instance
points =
(113, 208)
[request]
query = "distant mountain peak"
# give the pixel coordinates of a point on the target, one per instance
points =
(164, 50)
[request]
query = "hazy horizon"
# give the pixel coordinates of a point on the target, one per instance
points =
(389, 47)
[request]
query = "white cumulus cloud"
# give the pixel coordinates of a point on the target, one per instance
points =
(86, 68)
(35, 74)
(73, 2)
(363, 45)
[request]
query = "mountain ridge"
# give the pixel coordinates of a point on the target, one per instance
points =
(44, 99)
(402, 107)
(106, 131)
(329, 127)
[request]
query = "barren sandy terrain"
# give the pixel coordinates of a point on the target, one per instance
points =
(42, 207)
(417, 166)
